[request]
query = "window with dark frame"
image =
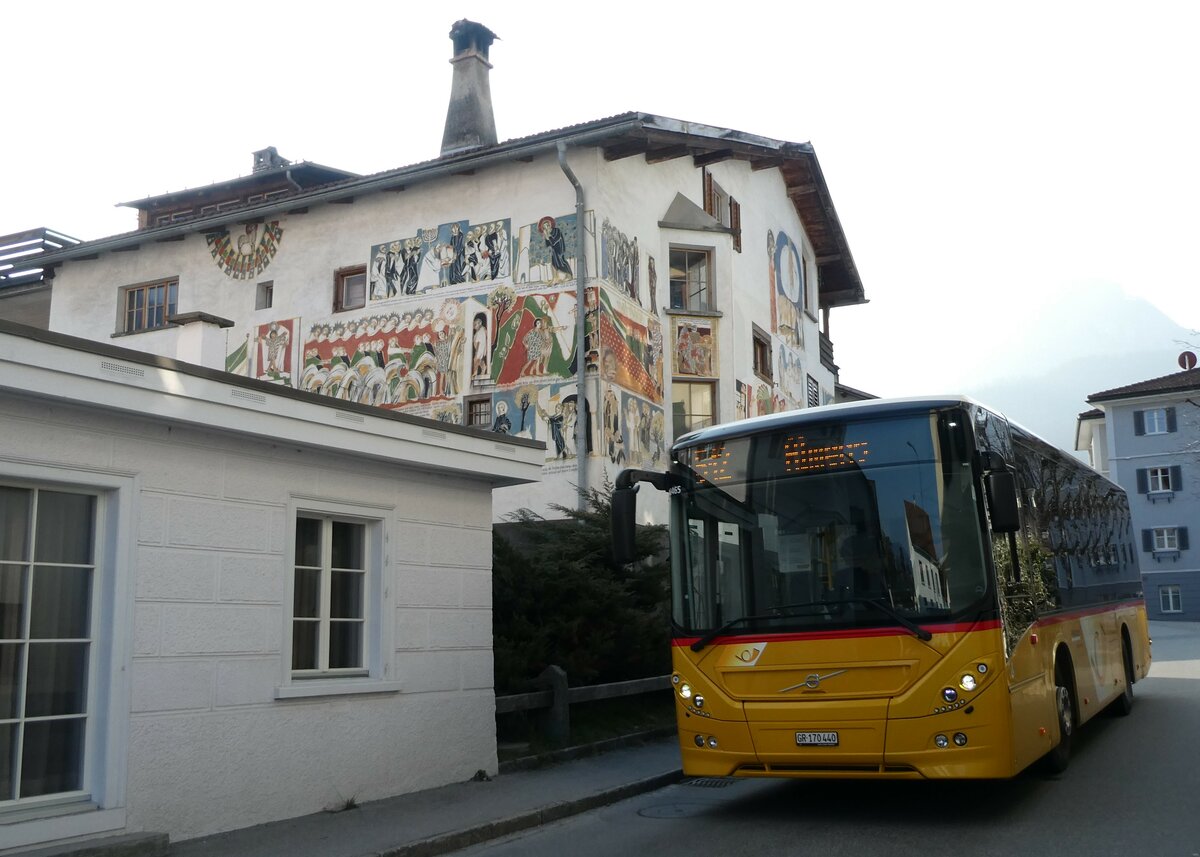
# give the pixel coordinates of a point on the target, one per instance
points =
(762, 354)
(723, 207)
(149, 305)
(690, 279)
(479, 411)
(814, 392)
(265, 295)
(350, 288)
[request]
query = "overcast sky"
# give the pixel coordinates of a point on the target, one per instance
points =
(989, 163)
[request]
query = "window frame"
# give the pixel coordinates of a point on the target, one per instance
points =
(762, 353)
(377, 672)
(709, 290)
(264, 294)
(1165, 539)
(169, 307)
(110, 663)
(1173, 593)
(712, 419)
(1154, 421)
(1158, 480)
(340, 278)
(471, 402)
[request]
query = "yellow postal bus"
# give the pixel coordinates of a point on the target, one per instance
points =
(911, 588)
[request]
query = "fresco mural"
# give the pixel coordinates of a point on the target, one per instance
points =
(787, 289)
(631, 345)
(276, 346)
(695, 347)
(547, 251)
(789, 376)
(390, 360)
(511, 337)
(439, 257)
(619, 260)
(247, 254)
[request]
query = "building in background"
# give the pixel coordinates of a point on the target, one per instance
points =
(601, 288)
(1146, 437)
(24, 286)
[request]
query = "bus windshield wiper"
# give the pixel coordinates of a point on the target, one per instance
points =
(774, 613)
(919, 632)
(790, 610)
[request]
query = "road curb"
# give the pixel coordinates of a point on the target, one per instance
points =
(456, 840)
(527, 763)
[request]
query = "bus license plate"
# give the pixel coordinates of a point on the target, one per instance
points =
(816, 739)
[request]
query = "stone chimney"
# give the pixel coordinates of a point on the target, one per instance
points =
(469, 120)
(268, 159)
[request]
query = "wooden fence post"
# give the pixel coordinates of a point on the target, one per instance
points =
(558, 716)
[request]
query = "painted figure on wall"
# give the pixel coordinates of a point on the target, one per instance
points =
(694, 349)
(790, 290)
(250, 253)
(273, 356)
(614, 443)
(652, 276)
(481, 350)
(538, 344)
(557, 245)
(451, 254)
(502, 424)
(620, 264)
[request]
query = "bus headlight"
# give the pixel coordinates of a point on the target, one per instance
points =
(960, 739)
(942, 741)
(685, 690)
(949, 694)
(698, 701)
(967, 682)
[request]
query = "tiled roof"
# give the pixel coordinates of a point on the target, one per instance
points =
(1179, 382)
(1093, 414)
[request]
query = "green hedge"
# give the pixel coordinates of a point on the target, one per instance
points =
(558, 598)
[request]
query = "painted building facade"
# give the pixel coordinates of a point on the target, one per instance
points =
(223, 602)
(1146, 438)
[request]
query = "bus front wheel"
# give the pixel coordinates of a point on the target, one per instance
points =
(1060, 756)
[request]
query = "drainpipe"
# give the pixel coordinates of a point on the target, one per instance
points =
(580, 333)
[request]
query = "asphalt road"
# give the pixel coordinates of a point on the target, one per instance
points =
(1133, 788)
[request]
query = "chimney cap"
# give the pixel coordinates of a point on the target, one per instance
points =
(469, 36)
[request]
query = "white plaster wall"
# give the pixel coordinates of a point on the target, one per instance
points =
(207, 745)
(631, 193)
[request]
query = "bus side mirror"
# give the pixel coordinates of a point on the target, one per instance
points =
(624, 505)
(1000, 488)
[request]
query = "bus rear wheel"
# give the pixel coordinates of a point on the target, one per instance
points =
(1123, 704)
(1057, 759)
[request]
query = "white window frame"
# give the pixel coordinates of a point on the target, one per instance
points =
(1173, 597)
(1166, 539)
(100, 806)
(1154, 421)
(378, 672)
(1158, 480)
(712, 419)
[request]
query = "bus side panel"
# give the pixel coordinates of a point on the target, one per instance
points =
(1031, 697)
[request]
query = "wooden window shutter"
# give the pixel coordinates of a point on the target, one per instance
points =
(1182, 538)
(735, 223)
(1176, 478)
(1171, 424)
(1139, 423)
(1143, 482)
(710, 196)
(1148, 541)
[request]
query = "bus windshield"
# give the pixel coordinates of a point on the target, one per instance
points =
(828, 525)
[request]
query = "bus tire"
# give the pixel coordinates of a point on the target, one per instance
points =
(1123, 704)
(1059, 757)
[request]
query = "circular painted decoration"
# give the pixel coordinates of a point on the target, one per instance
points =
(246, 253)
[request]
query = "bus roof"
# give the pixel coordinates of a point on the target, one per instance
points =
(845, 410)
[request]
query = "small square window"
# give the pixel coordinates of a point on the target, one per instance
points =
(478, 411)
(148, 306)
(265, 295)
(691, 279)
(762, 354)
(350, 288)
